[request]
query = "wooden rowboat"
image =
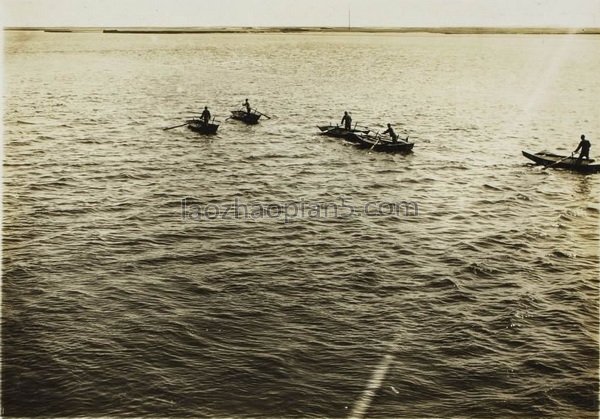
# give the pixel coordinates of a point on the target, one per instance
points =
(377, 143)
(199, 126)
(341, 132)
(563, 162)
(248, 118)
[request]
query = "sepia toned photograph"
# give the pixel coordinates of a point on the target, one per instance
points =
(283, 209)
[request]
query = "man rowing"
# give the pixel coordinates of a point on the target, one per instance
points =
(584, 145)
(347, 121)
(205, 115)
(390, 131)
(246, 104)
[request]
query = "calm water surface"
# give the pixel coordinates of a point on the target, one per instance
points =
(483, 305)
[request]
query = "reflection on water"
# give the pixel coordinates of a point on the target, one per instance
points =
(584, 187)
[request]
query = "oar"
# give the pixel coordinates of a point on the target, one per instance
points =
(266, 116)
(176, 126)
(557, 162)
(376, 142)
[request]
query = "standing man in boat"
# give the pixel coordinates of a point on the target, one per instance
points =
(205, 115)
(390, 131)
(347, 121)
(246, 104)
(584, 145)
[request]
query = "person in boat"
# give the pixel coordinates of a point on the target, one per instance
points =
(347, 121)
(246, 104)
(584, 146)
(205, 115)
(390, 131)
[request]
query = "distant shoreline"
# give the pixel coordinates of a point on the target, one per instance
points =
(250, 30)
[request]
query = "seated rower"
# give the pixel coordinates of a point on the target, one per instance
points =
(584, 145)
(390, 131)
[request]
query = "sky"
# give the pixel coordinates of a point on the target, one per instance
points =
(375, 13)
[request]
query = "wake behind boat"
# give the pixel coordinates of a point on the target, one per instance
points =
(563, 162)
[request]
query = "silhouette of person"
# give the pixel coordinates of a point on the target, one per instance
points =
(584, 145)
(390, 131)
(205, 115)
(347, 121)
(247, 105)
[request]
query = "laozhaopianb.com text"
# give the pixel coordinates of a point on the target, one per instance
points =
(194, 210)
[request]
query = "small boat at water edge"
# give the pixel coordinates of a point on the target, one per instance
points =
(562, 162)
(249, 118)
(377, 143)
(199, 126)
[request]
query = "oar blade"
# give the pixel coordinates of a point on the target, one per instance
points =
(176, 126)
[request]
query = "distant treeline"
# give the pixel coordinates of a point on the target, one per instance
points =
(441, 30)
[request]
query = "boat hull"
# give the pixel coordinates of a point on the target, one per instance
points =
(247, 118)
(340, 132)
(201, 128)
(562, 162)
(378, 144)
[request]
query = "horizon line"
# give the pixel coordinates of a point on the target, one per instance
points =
(449, 30)
(310, 27)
